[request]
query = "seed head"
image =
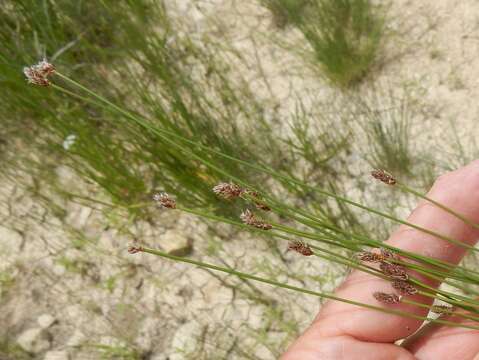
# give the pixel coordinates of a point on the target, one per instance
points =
(38, 74)
(374, 257)
(383, 176)
(301, 248)
(404, 287)
(368, 256)
(250, 219)
(132, 249)
(259, 204)
(388, 254)
(394, 271)
(228, 191)
(386, 298)
(165, 200)
(442, 309)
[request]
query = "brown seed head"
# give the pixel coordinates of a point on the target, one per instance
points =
(383, 176)
(301, 248)
(404, 287)
(228, 191)
(374, 257)
(38, 74)
(386, 298)
(442, 309)
(132, 249)
(368, 256)
(394, 271)
(250, 219)
(165, 200)
(261, 206)
(388, 254)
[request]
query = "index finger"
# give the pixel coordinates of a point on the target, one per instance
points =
(458, 190)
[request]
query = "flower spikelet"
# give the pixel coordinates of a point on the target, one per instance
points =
(165, 200)
(132, 249)
(368, 256)
(38, 74)
(250, 219)
(301, 248)
(228, 191)
(404, 287)
(442, 309)
(386, 298)
(394, 271)
(383, 176)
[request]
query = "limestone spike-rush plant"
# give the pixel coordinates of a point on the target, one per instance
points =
(328, 234)
(180, 145)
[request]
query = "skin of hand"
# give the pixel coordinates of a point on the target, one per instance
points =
(343, 331)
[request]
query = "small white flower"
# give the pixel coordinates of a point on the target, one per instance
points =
(69, 141)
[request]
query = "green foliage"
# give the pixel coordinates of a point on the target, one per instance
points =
(286, 11)
(344, 35)
(179, 84)
(389, 134)
(7, 280)
(116, 352)
(9, 350)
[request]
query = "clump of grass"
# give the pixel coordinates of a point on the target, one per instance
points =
(345, 36)
(118, 352)
(286, 12)
(388, 130)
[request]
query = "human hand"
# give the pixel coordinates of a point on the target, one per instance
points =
(343, 331)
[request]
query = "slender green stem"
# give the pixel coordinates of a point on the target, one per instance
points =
(438, 204)
(166, 134)
(433, 274)
(298, 289)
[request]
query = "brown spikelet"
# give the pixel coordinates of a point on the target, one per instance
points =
(262, 206)
(388, 254)
(165, 200)
(132, 249)
(375, 257)
(404, 287)
(394, 271)
(368, 256)
(383, 176)
(442, 309)
(38, 74)
(250, 219)
(259, 204)
(386, 298)
(228, 191)
(300, 248)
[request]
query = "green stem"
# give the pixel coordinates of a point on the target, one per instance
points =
(164, 134)
(298, 289)
(438, 204)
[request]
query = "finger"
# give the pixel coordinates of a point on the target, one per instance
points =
(341, 347)
(437, 342)
(458, 190)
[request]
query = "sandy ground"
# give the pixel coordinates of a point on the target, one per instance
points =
(70, 288)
